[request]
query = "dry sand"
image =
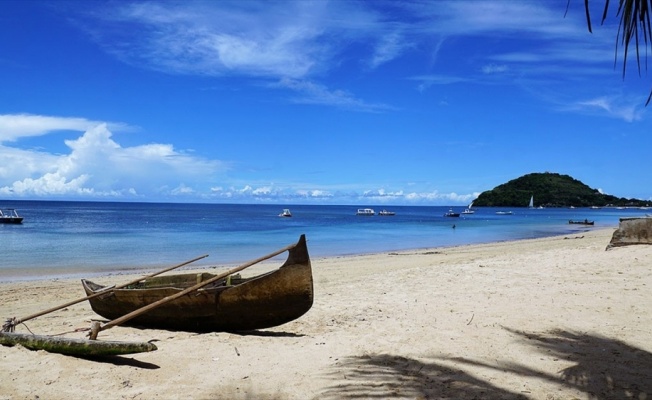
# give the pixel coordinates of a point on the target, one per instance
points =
(553, 318)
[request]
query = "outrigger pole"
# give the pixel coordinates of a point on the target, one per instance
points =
(11, 323)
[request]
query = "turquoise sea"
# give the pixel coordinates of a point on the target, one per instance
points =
(60, 238)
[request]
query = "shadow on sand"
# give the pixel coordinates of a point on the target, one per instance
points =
(603, 368)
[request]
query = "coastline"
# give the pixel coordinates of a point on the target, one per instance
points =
(35, 272)
(548, 318)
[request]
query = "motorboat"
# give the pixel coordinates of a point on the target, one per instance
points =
(10, 216)
(365, 211)
(286, 213)
(451, 213)
(386, 213)
(504, 213)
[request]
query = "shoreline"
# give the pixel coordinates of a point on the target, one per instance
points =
(548, 318)
(34, 274)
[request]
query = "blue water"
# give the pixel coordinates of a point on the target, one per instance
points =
(85, 238)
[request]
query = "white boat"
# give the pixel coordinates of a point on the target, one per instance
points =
(468, 210)
(10, 216)
(531, 205)
(286, 213)
(386, 213)
(504, 213)
(365, 211)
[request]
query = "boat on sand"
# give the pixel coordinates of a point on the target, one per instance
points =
(231, 303)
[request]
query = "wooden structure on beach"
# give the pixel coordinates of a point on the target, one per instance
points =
(636, 230)
(230, 303)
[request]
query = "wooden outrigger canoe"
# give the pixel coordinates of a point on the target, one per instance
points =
(75, 347)
(230, 303)
(580, 222)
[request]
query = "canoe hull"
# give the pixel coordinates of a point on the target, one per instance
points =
(263, 301)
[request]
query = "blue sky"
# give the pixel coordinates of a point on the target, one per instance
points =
(314, 102)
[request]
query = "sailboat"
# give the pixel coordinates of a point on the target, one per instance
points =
(468, 210)
(531, 202)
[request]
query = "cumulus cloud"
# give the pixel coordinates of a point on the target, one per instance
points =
(96, 164)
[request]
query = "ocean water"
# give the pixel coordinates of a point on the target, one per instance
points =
(88, 238)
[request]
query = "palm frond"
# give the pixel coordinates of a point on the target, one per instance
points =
(634, 28)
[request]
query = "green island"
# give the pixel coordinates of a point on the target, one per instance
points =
(550, 190)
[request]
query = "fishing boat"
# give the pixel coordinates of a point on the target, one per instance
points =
(386, 213)
(229, 303)
(286, 213)
(10, 216)
(580, 222)
(451, 213)
(365, 211)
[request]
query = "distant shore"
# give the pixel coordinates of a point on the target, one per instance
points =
(550, 318)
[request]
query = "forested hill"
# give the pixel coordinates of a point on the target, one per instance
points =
(549, 190)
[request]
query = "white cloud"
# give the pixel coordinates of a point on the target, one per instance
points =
(429, 80)
(96, 164)
(313, 93)
(494, 68)
(388, 48)
(615, 107)
(16, 126)
(259, 39)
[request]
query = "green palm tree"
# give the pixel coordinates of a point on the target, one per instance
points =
(634, 28)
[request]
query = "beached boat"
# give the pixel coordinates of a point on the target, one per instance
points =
(386, 213)
(286, 213)
(10, 216)
(451, 213)
(232, 303)
(365, 211)
(585, 222)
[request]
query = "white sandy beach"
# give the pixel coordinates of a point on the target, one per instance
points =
(553, 318)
